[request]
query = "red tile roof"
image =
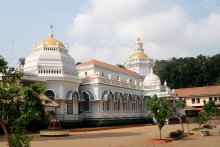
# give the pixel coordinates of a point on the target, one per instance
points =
(198, 91)
(106, 65)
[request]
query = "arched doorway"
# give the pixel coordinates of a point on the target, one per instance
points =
(72, 104)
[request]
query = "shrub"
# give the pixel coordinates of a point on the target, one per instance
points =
(102, 123)
(208, 126)
(176, 134)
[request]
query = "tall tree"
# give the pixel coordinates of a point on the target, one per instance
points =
(202, 118)
(21, 63)
(161, 110)
(18, 105)
(189, 71)
(181, 104)
(211, 109)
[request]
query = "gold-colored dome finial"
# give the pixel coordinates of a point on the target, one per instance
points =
(51, 31)
(51, 41)
(137, 55)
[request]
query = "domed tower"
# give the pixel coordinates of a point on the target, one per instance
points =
(139, 61)
(50, 58)
(151, 79)
(51, 64)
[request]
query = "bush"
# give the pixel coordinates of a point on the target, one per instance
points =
(176, 134)
(208, 126)
(103, 123)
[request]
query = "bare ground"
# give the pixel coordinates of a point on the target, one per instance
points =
(125, 137)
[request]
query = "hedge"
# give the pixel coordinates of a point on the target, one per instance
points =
(102, 123)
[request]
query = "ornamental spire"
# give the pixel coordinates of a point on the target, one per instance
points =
(151, 70)
(51, 31)
(139, 45)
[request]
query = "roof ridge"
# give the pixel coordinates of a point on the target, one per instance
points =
(94, 61)
(199, 87)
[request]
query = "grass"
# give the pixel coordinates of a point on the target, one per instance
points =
(207, 126)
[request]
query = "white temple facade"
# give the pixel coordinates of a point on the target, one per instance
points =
(93, 89)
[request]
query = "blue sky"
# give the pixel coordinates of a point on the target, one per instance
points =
(107, 30)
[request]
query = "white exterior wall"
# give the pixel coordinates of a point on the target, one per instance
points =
(109, 74)
(141, 66)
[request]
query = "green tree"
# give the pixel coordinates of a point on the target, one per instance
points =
(120, 66)
(21, 62)
(18, 105)
(211, 109)
(161, 110)
(78, 63)
(189, 71)
(202, 118)
(181, 104)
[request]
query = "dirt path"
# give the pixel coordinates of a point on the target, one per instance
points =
(125, 137)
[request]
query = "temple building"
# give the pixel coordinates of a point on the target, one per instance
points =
(93, 89)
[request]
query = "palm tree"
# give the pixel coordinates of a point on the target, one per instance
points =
(21, 62)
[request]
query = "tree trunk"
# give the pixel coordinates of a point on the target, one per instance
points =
(160, 133)
(4, 129)
(187, 123)
(182, 124)
(188, 127)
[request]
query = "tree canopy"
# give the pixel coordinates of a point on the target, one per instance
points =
(18, 105)
(189, 71)
(211, 109)
(161, 110)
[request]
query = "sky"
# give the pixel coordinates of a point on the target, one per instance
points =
(107, 30)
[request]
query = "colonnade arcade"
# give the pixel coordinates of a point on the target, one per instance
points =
(123, 102)
(83, 101)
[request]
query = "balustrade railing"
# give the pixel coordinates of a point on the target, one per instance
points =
(111, 81)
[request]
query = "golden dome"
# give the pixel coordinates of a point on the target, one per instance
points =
(50, 41)
(137, 55)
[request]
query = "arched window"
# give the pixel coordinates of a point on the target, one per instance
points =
(120, 97)
(105, 105)
(88, 105)
(138, 103)
(125, 105)
(110, 99)
(134, 103)
(129, 102)
(141, 103)
(50, 94)
(70, 106)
